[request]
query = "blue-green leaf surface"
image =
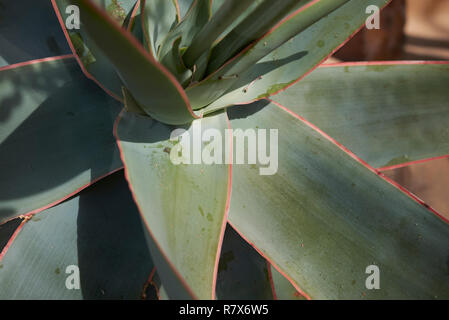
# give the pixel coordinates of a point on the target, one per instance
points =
(328, 217)
(22, 35)
(183, 205)
(99, 233)
(387, 114)
(55, 135)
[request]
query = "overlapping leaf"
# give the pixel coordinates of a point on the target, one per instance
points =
(92, 60)
(184, 205)
(22, 35)
(159, 17)
(283, 289)
(89, 247)
(151, 85)
(324, 217)
(256, 73)
(381, 112)
(55, 135)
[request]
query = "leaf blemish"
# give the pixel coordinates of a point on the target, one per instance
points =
(209, 217)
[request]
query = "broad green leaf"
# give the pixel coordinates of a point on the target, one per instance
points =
(152, 86)
(324, 217)
(386, 114)
(289, 62)
(55, 135)
(93, 61)
(184, 205)
(160, 16)
(22, 35)
(242, 273)
(99, 233)
(283, 288)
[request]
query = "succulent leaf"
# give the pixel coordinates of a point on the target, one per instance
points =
(18, 44)
(329, 216)
(283, 289)
(160, 16)
(379, 111)
(224, 17)
(55, 134)
(184, 206)
(92, 60)
(250, 77)
(53, 245)
(183, 6)
(152, 86)
(194, 20)
(252, 28)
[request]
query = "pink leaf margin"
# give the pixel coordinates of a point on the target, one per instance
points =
(270, 261)
(144, 53)
(361, 161)
(223, 226)
(133, 16)
(352, 155)
(12, 238)
(54, 203)
(72, 48)
(305, 74)
(406, 164)
(36, 61)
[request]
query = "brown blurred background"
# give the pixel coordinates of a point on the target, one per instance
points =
(410, 30)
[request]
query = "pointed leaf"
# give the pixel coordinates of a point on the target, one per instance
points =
(256, 73)
(173, 62)
(184, 206)
(283, 288)
(55, 134)
(380, 111)
(183, 6)
(153, 87)
(194, 20)
(223, 18)
(252, 28)
(328, 217)
(20, 38)
(160, 16)
(92, 60)
(55, 244)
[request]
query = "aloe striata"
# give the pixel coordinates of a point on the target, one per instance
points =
(140, 78)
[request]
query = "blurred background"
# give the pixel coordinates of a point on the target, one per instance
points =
(410, 30)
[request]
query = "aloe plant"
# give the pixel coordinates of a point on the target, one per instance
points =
(134, 73)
